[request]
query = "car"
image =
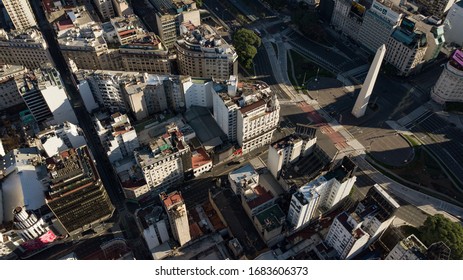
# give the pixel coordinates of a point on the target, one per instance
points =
(233, 163)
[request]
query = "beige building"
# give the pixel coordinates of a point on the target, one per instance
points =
(9, 92)
(20, 13)
(122, 8)
(406, 48)
(201, 52)
(24, 47)
(105, 7)
(170, 14)
(176, 211)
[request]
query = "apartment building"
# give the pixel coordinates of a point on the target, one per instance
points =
(449, 86)
(288, 150)
(20, 13)
(176, 211)
(378, 24)
(166, 159)
(454, 24)
(321, 194)
(225, 107)
(61, 137)
(435, 7)
(9, 91)
(170, 14)
(198, 92)
(43, 92)
(76, 195)
(122, 8)
(406, 48)
(201, 52)
(106, 9)
(24, 47)
(117, 135)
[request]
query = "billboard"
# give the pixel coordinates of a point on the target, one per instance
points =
(385, 12)
(357, 9)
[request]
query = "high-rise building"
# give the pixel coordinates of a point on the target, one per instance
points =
(147, 98)
(24, 47)
(198, 92)
(76, 195)
(9, 91)
(406, 48)
(170, 14)
(201, 52)
(378, 24)
(27, 225)
(226, 108)
(117, 135)
(322, 193)
(348, 17)
(454, 24)
(106, 9)
(449, 86)
(43, 92)
(257, 119)
(122, 8)
(20, 13)
(165, 161)
(435, 7)
(361, 103)
(289, 149)
(176, 211)
(346, 235)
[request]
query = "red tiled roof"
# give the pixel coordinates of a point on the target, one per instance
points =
(172, 199)
(200, 159)
(252, 106)
(262, 197)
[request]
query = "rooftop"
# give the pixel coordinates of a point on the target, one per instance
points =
(203, 38)
(246, 173)
(199, 158)
(271, 218)
(457, 59)
(172, 199)
(257, 196)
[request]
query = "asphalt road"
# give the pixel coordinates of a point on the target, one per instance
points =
(104, 168)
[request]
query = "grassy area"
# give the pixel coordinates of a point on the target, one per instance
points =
(412, 140)
(305, 69)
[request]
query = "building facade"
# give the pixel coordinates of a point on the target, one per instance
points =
(106, 9)
(176, 211)
(24, 47)
(406, 48)
(454, 24)
(20, 13)
(449, 86)
(76, 195)
(201, 52)
(9, 91)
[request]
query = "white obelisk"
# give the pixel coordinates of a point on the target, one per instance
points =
(364, 96)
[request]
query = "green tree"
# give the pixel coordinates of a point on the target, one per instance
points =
(246, 43)
(439, 228)
(199, 3)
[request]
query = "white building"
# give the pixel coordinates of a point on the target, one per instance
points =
(198, 92)
(346, 236)
(406, 48)
(200, 161)
(348, 17)
(378, 24)
(449, 86)
(58, 138)
(176, 211)
(26, 224)
(289, 149)
(411, 248)
(166, 160)
(9, 92)
(20, 13)
(454, 24)
(105, 7)
(242, 178)
(22, 172)
(226, 108)
(117, 135)
(321, 194)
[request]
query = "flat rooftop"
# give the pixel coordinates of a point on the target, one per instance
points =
(172, 199)
(271, 217)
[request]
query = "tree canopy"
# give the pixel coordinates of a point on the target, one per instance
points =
(246, 43)
(439, 228)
